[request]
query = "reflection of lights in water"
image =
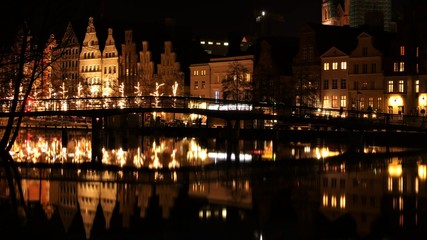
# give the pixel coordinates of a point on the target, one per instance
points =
(173, 164)
(105, 156)
(324, 152)
(195, 152)
(422, 171)
(156, 163)
(223, 156)
(395, 168)
(173, 152)
(138, 159)
(121, 157)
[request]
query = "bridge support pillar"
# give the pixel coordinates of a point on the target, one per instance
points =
(96, 140)
(233, 133)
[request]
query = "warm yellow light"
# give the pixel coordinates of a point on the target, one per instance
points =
(395, 101)
(422, 171)
(224, 213)
(395, 170)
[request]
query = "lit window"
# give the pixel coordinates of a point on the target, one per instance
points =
(402, 50)
(334, 101)
(395, 67)
(401, 86)
(333, 201)
(210, 43)
(326, 66)
(202, 42)
(379, 102)
(343, 101)
(417, 86)
(325, 200)
(334, 65)
(226, 44)
(203, 84)
(342, 201)
(417, 52)
(196, 72)
(196, 84)
(371, 102)
(203, 72)
(401, 66)
(390, 86)
(362, 103)
(218, 43)
(326, 102)
(343, 65)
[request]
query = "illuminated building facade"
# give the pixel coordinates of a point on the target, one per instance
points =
(206, 78)
(361, 69)
(67, 67)
(353, 80)
(90, 62)
(90, 71)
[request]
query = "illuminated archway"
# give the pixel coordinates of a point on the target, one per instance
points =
(395, 104)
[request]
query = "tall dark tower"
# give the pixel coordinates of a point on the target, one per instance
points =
(356, 13)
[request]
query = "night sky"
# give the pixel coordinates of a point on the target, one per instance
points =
(204, 17)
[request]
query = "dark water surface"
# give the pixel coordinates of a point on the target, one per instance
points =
(181, 188)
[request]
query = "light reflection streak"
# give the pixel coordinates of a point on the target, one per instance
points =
(150, 153)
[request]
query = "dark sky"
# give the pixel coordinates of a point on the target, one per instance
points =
(203, 17)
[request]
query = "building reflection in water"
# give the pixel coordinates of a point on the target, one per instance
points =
(363, 196)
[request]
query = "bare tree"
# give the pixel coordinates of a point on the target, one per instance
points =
(307, 87)
(236, 85)
(23, 67)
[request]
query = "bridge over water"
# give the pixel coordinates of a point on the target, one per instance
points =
(283, 116)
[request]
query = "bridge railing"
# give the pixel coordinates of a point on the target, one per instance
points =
(185, 102)
(55, 104)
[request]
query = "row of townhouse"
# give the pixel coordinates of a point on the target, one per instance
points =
(114, 71)
(332, 67)
(90, 68)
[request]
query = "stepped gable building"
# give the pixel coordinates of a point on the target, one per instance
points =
(110, 67)
(146, 68)
(68, 64)
(128, 63)
(90, 62)
(102, 71)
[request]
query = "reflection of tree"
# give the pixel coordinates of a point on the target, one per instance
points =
(236, 85)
